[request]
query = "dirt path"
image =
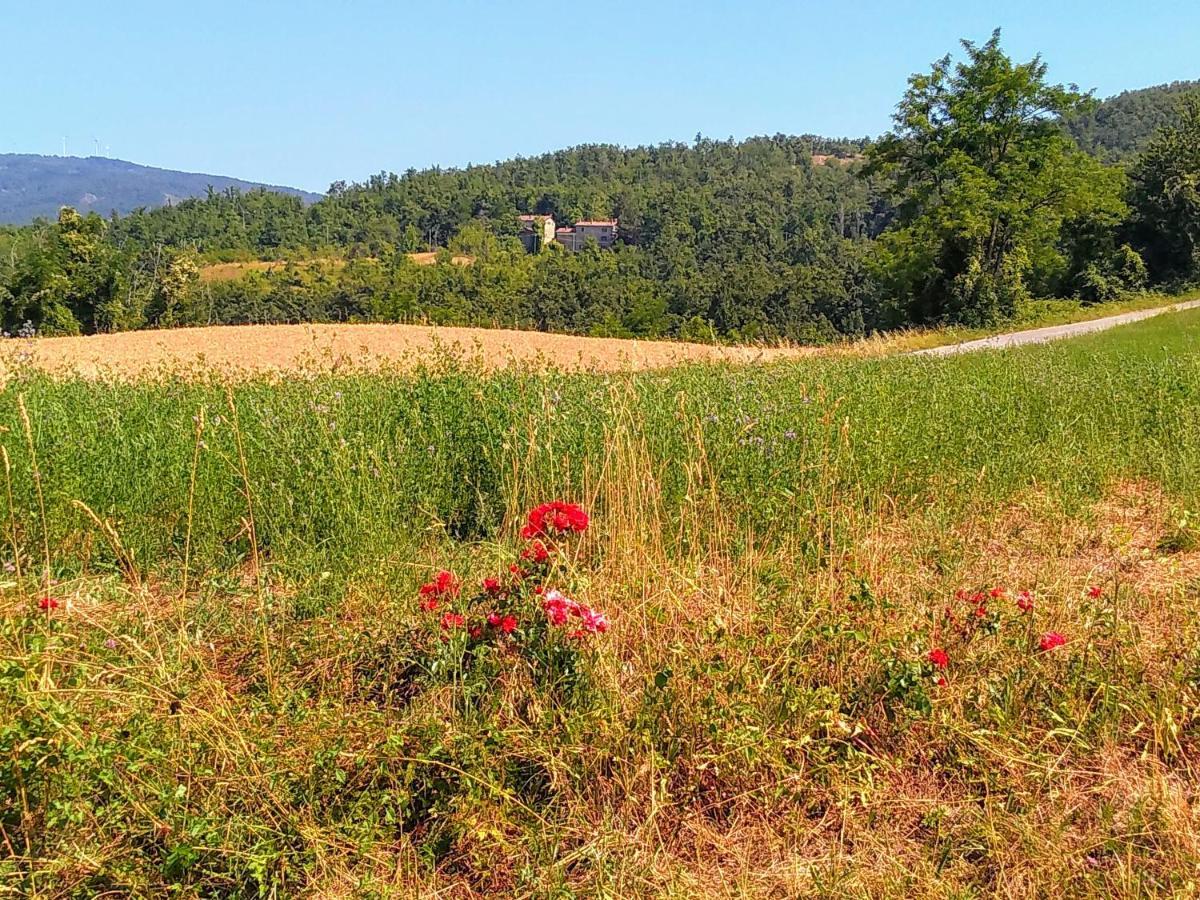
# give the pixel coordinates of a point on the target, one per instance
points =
(1052, 332)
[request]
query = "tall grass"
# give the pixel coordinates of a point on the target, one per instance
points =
(776, 545)
(343, 468)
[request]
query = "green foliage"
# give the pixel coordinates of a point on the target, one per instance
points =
(1118, 128)
(1166, 196)
(984, 179)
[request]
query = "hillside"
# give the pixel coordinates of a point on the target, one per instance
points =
(1120, 126)
(33, 186)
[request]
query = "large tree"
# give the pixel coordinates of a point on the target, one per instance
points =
(1166, 196)
(984, 178)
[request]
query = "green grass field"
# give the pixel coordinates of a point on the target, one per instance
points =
(238, 693)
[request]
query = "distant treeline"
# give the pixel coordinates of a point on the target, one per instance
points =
(979, 199)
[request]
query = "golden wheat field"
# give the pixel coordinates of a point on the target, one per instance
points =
(251, 349)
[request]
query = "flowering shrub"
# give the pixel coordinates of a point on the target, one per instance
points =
(524, 611)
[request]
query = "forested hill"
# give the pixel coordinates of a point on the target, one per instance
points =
(33, 186)
(1120, 126)
(967, 209)
(719, 196)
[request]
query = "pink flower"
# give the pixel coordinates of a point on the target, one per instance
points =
(593, 620)
(939, 657)
(558, 607)
(1051, 640)
(493, 619)
(1025, 601)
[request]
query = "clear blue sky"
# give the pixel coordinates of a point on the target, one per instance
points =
(304, 93)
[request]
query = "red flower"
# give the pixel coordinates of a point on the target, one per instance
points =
(493, 619)
(443, 585)
(491, 586)
(554, 517)
(941, 682)
(1095, 592)
(47, 602)
(998, 592)
(981, 610)
(558, 607)
(1050, 640)
(475, 632)
(508, 624)
(1025, 601)
(960, 594)
(429, 604)
(453, 620)
(939, 657)
(516, 571)
(537, 553)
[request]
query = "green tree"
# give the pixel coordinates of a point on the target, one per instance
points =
(1166, 196)
(984, 177)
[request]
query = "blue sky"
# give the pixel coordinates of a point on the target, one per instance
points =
(304, 93)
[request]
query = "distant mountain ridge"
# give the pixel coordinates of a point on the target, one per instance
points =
(33, 186)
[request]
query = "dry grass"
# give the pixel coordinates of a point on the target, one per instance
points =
(249, 349)
(229, 271)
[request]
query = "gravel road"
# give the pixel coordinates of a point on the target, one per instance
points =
(1052, 332)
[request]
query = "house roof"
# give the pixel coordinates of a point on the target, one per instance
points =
(612, 222)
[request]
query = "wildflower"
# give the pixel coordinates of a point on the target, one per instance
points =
(939, 657)
(998, 592)
(494, 619)
(1050, 640)
(1025, 601)
(558, 607)
(557, 517)
(111, 644)
(443, 586)
(516, 571)
(941, 681)
(48, 602)
(960, 594)
(981, 610)
(476, 632)
(537, 553)
(491, 586)
(508, 624)
(453, 620)
(1095, 592)
(593, 620)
